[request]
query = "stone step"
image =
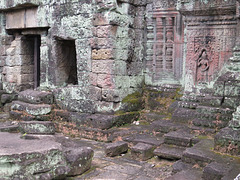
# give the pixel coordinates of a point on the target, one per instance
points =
(213, 110)
(187, 104)
(164, 126)
(36, 97)
(100, 121)
(130, 130)
(191, 98)
(9, 126)
(144, 138)
(191, 174)
(37, 127)
(214, 116)
(212, 101)
(183, 115)
(215, 170)
(203, 130)
(209, 123)
(169, 152)
(21, 115)
(32, 109)
(179, 138)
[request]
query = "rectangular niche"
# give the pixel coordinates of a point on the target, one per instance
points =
(66, 61)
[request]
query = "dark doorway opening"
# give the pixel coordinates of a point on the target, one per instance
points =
(66, 62)
(30, 49)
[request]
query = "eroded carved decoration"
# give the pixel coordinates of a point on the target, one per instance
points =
(164, 4)
(207, 51)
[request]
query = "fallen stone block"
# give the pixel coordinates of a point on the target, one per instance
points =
(78, 159)
(144, 138)
(180, 166)
(115, 149)
(226, 138)
(101, 121)
(215, 171)
(142, 151)
(197, 156)
(210, 123)
(169, 152)
(179, 138)
(164, 126)
(37, 127)
(34, 159)
(36, 97)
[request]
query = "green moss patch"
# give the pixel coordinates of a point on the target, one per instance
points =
(133, 98)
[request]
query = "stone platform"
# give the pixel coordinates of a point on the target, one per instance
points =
(40, 157)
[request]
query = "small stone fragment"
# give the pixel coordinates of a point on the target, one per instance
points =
(115, 149)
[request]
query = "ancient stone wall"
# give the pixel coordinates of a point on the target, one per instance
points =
(57, 20)
(108, 37)
(116, 46)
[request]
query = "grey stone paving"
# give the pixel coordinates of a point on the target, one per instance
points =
(196, 160)
(123, 167)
